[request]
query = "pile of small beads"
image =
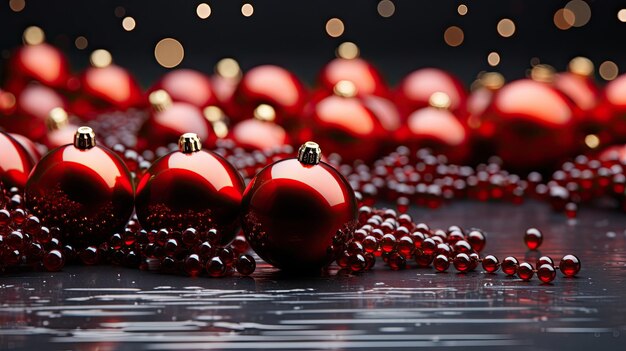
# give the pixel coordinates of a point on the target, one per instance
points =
(397, 239)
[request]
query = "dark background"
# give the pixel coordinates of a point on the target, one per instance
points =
(292, 34)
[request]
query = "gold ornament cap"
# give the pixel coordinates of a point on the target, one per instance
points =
(310, 153)
(160, 100)
(57, 119)
(440, 100)
(345, 88)
(189, 143)
(265, 112)
(542, 73)
(218, 120)
(85, 138)
(581, 66)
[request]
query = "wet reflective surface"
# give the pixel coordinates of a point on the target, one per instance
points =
(109, 308)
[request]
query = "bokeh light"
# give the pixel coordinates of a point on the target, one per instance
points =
(592, 141)
(228, 68)
(493, 59)
(100, 58)
(581, 11)
(462, 10)
(81, 43)
(17, 5)
(454, 36)
(334, 27)
(247, 10)
(34, 35)
(348, 50)
(608, 70)
(203, 11)
(506, 27)
(128, 23)
(564, 19)
(621, 15)
(169, 52)
(386, 8)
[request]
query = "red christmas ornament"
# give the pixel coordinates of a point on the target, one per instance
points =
(348, 66)
(260, 132)
(34, 104)
(15, 162)
(437, 128)
(82, 188)
(415, 90)
(37, 61)
(529, 123)
(187, 85)
(346, 126)
(105, 86)
(274, 86)
(385, 110)
(169, 120)
(191, 188)
(298, 212)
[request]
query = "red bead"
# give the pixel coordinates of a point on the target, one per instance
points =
(245, 265)
(15, 162)
(215, 267)
(509, 265)
(474, 260)
(388, 243)
(428, 246)
(569, 265)
(454, 237)
(544, 260)
(396, 261)
(53, 261)
(192, 265)
(441, 263)
(370, 244)
(490, 264)
(525, 271)
(357, 263)
(462, 246)
(533, 238)
(462, 262)
(423, 260)
(199, 189)
(89, 255)
(477, 240)
(88, 193)
(293, 213)
(443, 249)
(546, 273)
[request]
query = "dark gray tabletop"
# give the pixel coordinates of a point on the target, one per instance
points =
(111, 308)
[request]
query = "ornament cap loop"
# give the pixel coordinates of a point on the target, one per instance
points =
(345, 88)
(581, 66)
(57, 119)
(189, 143)
(309, 153)
(85, 138)
(440, 100)
(265, 112)
(160, 100)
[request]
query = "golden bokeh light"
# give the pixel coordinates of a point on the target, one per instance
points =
(348, 50)
(203, 11)
(33, 35)
(608, 70)
(128, 23)
(621, 15)
(17, 5)
(581, 12)
(247, 10)
(228, 68)
(334, 27)
(493, 59)
(7, 100)
(386, 8)
(563, 19)
(592, 141)
(81, 43)
(462, 10)
(454, 36)
(169, 52)
(506, 27)
(100, 58)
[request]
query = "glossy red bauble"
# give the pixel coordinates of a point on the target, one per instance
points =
(344, 125)
(298, 212)
(191, 188)
(187, 85)
(84, 189)
(509, 265)
(361, 73)
(105, 86)
(416, 89)
(15, 162)
(530, 125)
(569, 265)
(490, 263)
(274, 86)
(525, 271)
(33, 107)
(255, 134)
(169, 120)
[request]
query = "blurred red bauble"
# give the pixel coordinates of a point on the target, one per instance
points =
(105, 86)
(60, 130)
(225, 80)
(530, 124)
(613, 108)
(260, 132)
(416, 88)
(37, 61)
(385, 110)
(191, 188)
(438, 129)
(15, 162)
(36, 151)
(298, 212)
(169, 120)
(482, 93)
(274, 86)
(344, 125)
(82, 188)
(348, 66)
(187, 85)
(33, 106)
